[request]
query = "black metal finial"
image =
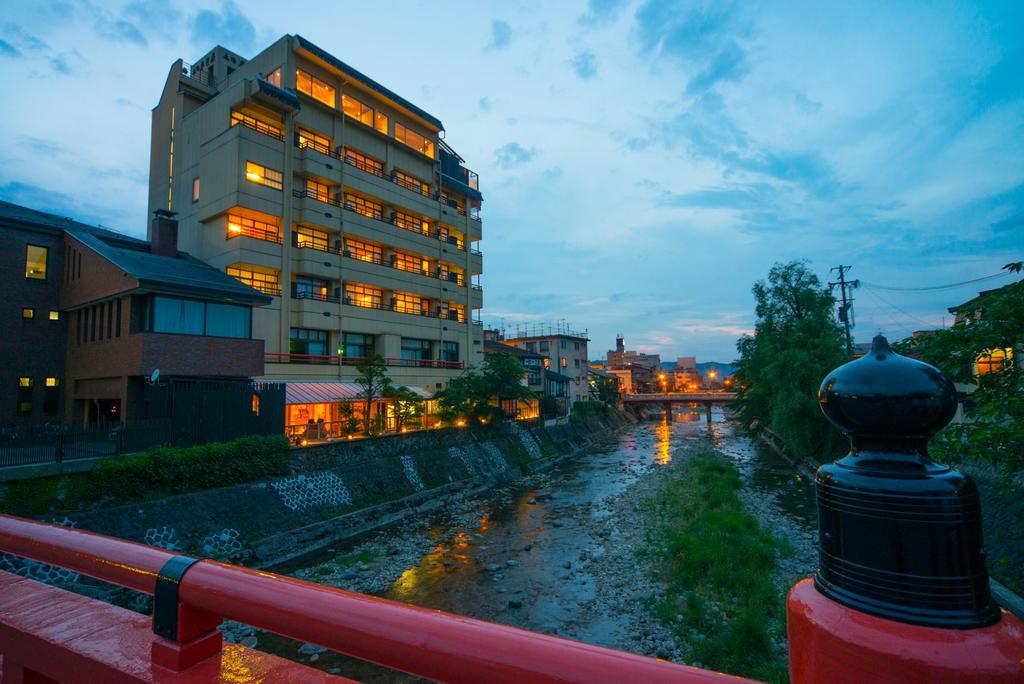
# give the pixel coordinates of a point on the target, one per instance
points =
(899, 535)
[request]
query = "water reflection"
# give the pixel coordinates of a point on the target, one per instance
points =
(663, 433)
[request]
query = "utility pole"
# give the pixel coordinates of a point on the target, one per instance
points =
(846, 308)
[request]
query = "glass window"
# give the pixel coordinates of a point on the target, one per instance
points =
(361, 295)
(412, 183)
(24, 381)
(52, 381)
(318, 191)
(364, 251)
(256, 124)
(308, 341)
(415, 350)
(227, 320)
(195, 190)
(544, 345)
(449, 351)
(264, 176)
(413, 223)
(364, 207)
(314, 87)
(28, 313)
(364, 163)
(531, 346)
(357, 346)
(307, 287)
(267, 283)
(54, 315)
(261, 230)
(411, 263)
(313, 238)
(381, 123)
(35, 262)
(359, 111)
(318, 142)
(182, 316)
(274, 77)
(410, 303)
(565, 362)
(414, 140)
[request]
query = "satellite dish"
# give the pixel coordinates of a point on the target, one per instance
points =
(154, 376)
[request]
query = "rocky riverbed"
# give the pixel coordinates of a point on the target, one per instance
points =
(556, 552)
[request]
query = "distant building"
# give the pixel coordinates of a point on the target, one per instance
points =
(644, 369)
(684, 374)
(533, 376)
(110, 329)
(565, 357)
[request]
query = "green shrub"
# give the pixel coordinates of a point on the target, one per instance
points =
(157, 473)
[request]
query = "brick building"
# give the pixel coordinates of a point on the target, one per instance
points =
(108, 323)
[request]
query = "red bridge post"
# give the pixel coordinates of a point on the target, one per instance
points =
(901, 593)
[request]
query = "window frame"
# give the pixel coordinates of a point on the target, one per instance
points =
(267, 177)
(46, 261)
(28, 313)
(313, 82)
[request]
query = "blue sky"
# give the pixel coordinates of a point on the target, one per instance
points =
(642, 162)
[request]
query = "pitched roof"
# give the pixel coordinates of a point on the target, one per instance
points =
(492, 347)
(182, 274)
(367, 81)
(557, 377)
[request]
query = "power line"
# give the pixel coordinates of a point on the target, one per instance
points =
(885, 302)
(846, 309)
(935, 287)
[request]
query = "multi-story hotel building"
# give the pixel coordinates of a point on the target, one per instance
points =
(308, 180)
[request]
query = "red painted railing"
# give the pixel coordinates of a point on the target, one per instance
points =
(334, 360)
(418, 641)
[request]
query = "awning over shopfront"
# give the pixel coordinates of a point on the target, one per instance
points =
(331, 392)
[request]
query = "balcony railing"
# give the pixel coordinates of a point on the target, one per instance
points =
(338, 360)
(316, 296)
(259, 127)
(237, 229)
(204, 76)
(348, 205)
(363, 166)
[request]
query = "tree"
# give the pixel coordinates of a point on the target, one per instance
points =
(990, 339)
(406, 405)
(375, 383)
(796, 342)
(349, 422)
(605, 390)
(477, 394)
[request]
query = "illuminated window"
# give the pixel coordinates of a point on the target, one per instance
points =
(52, 381)
(24, 381)
(361, 295)
(993, 361)
(256, 398)
(409, 303)
(452, 237)
(318, 191)
(273, 78)
(263, 175)
(261, 230)
(314, 87)
(364, 163)
(565, 362)
(265, 282)
(414, 140)
(195, 190)
(413, 223)
(313, 238)
(454, 202)
(54, 315)
(364, 207)
(318, 142)
(446, 272)
(28, 313)
(457, 313)
(410, 263)
(364, 251)
(364, 114)
(256, 125)
(412, 183)
(35, 262)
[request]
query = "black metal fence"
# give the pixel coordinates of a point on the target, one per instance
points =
(49, 444)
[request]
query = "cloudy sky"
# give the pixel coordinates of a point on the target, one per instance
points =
(642, 162)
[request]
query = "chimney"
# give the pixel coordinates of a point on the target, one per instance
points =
(620, 344)
(164, 233)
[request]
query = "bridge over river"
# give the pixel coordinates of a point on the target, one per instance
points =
(667, 399)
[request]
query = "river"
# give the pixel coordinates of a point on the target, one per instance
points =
(555, 553)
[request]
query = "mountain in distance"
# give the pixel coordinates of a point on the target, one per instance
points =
(724, 370)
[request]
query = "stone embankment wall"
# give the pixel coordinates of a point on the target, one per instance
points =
(335, 491)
